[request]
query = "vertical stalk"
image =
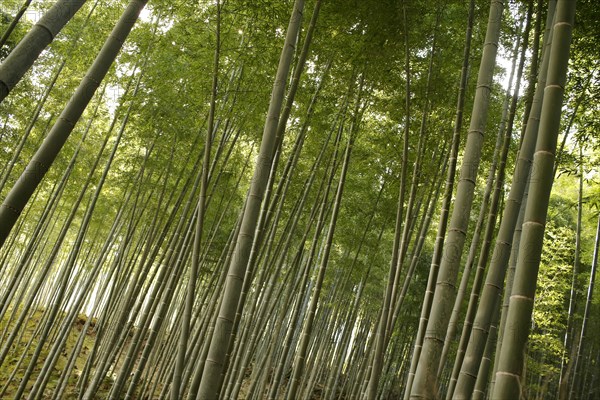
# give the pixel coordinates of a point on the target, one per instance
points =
(586, 313)
(29, 48)
(21, 192)
(425, 384)
(445, 208)
(512, 356)
(201, 212)
(502, 248)
(211, 382)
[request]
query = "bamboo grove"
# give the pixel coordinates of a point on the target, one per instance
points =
(299, 199)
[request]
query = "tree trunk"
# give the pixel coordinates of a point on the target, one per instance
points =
(500, 256)
(586, 316)
(29, 48)
(211, 382)
(19, 195)
(508, 378)
(425, 384)
(445, 208)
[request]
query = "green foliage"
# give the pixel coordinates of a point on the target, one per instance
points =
(8, 11)
(551, 302)
(172, 47)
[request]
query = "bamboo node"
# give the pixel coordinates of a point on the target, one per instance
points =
(12, 209)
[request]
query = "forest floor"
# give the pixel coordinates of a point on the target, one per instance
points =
(24, 346)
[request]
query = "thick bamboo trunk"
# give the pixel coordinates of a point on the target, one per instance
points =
(19, 195)
(508, 377)
(500, 256)
(425, 383)
(29, 48)
(445, 208)
(210, 384)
